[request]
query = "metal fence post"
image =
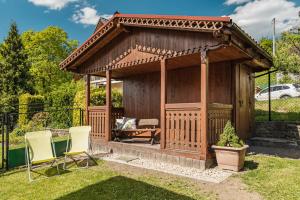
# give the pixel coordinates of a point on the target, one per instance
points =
(269, 90)
(80, 115)
(7, 141)
(2, 141)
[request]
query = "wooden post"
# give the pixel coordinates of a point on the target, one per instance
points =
(204, 106)
(108, 107)
(88, 97)
(163, 91)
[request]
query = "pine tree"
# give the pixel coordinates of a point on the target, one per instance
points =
(14, 67)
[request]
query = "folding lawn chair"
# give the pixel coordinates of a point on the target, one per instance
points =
(78, 143)
(40, 149)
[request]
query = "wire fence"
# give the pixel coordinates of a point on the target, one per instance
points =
(14, 125)
(276, 100)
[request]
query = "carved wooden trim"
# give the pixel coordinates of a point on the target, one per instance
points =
(95, 37)
(158, 55)
(199, 25)
(194, 25)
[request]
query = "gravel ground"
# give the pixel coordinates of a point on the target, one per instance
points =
(213, 175)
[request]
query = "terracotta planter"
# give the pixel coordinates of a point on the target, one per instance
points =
(230, 158)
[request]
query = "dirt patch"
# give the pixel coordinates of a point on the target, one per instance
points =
(231, 189)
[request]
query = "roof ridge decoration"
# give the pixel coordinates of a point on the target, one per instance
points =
(157, 55)
(193, 23)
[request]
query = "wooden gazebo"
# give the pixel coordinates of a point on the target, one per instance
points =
(192, 73)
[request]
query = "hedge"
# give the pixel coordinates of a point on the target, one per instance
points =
(98, 98)
(61, 102)
(28, 106)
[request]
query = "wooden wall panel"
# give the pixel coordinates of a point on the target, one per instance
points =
(141, 96)
(184, 85)
(142, 92)
(220, 83)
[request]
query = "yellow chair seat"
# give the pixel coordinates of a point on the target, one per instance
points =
(42, 161)
(74, 153)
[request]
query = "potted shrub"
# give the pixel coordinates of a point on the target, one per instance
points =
(230, 150)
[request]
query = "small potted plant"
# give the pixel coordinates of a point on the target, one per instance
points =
(230, 150)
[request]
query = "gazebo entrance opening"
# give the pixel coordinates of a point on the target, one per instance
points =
(170, 91)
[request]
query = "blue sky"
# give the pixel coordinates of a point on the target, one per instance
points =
(77, 17)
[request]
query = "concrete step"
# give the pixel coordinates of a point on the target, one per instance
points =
(275, 142)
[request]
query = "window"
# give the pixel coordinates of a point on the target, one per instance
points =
(296, 86)
(276, 88)
(285, 87)
(264, 91)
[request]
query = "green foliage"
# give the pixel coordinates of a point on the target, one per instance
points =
(267, 45)
(28, 106)
(229, 138)
(262, 82)
(14, 77)
(273, 177)
(46, 49)
(288, 53)
(98, 98)
(37, 123)
(282, 110)
(61, 100)
(286, 79)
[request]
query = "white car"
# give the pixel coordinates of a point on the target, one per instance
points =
(281, 91)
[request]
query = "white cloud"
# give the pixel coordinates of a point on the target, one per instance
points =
(231, 2)
(88, 16)
(256, 16)
(52, 4)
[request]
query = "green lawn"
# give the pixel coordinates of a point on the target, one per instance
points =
(273, 177)
(282, 109)
(98, 182)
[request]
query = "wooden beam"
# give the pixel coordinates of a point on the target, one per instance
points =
(108, 107)
(204, 106)
(88, 96)
(163, 91)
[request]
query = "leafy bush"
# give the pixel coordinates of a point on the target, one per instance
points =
(98, 98)
(229, 138)
(18, 132)
(61, 101)
(28, 106)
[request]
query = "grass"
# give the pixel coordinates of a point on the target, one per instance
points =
(98, 182)
(282, 110)
(273, 177)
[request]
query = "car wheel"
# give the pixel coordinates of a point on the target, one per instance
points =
(285, 97)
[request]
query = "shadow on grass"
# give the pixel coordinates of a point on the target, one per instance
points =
(250, 165)
(123, 188)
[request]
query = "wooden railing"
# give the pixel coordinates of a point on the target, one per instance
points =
(218, 115)
(183, 127)
(97, 117)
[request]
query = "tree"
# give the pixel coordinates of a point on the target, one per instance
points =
(14, 77)
(288, 53)
(46, 49)
(266, 44)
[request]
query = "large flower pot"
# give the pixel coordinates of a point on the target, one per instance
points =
(230, 158)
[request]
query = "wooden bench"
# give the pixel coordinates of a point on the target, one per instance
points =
(146, 128)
